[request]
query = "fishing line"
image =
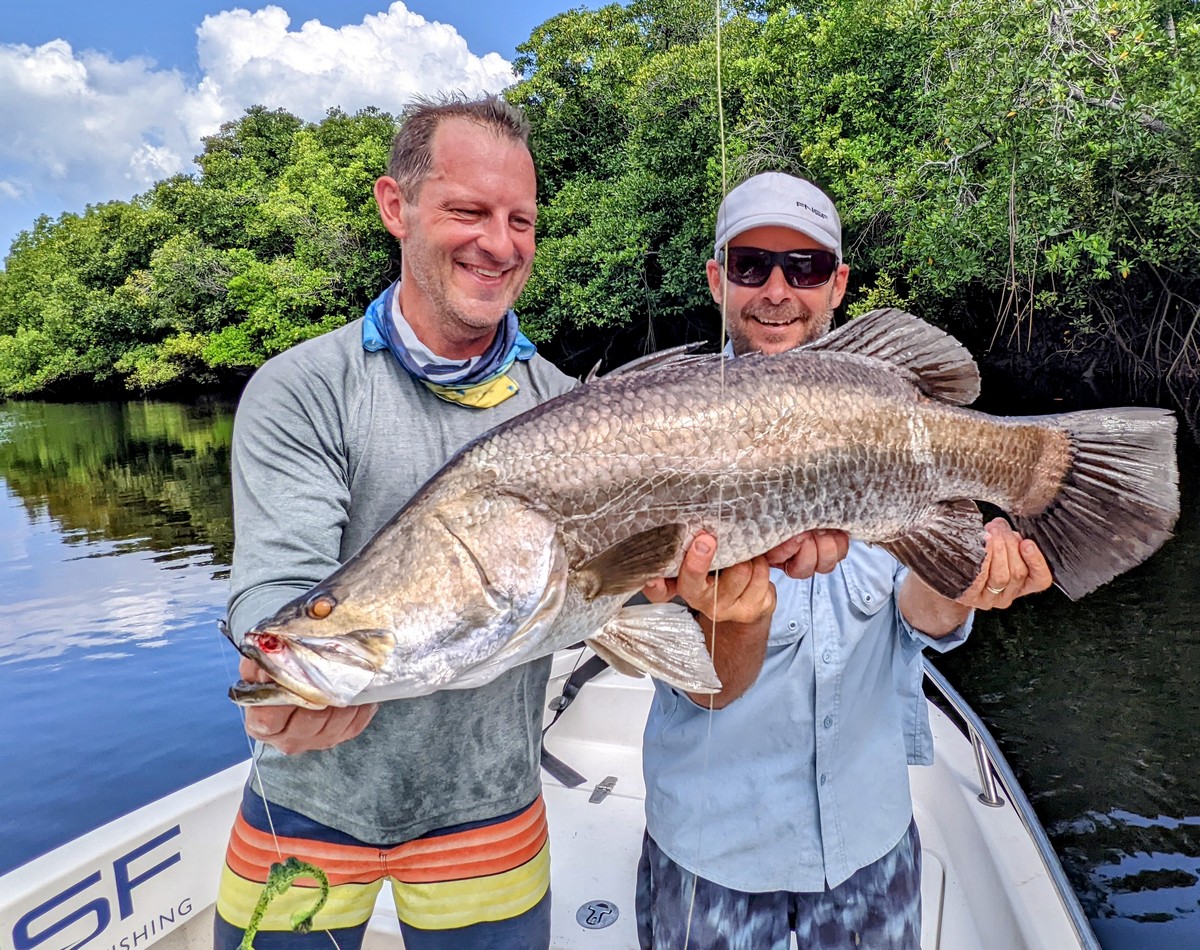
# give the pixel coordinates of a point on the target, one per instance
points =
(241, 713)
(250, 743)
(724, 284)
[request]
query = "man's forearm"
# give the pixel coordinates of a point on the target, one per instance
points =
(927, 610)
(737, 653)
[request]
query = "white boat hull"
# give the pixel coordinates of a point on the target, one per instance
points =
(151, 876)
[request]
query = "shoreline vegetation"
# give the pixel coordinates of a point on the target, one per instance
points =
(1024, 174)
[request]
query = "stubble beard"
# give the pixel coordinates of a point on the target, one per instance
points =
(456, 321)
(798, 325)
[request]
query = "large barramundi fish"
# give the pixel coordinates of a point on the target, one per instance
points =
(534, 535)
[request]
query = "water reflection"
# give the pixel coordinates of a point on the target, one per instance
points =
(152, 475)
(114, 545)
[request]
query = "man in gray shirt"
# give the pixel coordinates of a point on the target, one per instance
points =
(439, 794)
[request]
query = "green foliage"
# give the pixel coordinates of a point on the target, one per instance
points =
(276, 241)
(1034, 161)
(174, 359)
(1008, 165)
(1017, 170)
(623, 105)
(26, 361)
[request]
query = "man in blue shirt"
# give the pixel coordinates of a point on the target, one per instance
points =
(782, 803)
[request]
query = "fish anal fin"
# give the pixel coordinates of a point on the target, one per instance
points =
(663, 640)
(947, 551)
(940, 366)
(625, 567)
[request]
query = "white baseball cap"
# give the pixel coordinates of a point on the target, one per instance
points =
(774, 198)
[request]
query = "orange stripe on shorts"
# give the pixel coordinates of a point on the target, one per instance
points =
(460, 855)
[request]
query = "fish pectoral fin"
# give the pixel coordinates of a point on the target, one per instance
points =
(625, 567)
(947, 551)
(663, 640)
(940, 366)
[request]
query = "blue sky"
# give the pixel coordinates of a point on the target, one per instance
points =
(105, 99)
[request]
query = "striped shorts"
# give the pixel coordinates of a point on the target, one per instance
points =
(484, 884)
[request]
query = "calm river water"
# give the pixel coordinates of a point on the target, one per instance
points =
(114, 549)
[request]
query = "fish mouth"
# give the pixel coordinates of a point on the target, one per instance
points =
(268, 694)
(324, 671)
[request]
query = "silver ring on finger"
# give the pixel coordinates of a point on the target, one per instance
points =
(995, 590)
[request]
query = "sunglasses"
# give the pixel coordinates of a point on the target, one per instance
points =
(752, 266)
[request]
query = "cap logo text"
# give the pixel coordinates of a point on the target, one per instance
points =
(806, 207)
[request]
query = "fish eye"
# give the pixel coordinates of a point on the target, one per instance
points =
(320, 606)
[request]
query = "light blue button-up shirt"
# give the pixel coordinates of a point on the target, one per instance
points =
(803, 779)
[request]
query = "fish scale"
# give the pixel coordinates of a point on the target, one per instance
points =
(781, 449)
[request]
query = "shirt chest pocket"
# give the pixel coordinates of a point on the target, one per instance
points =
(856, 590)
(793, 609)
(868, 584)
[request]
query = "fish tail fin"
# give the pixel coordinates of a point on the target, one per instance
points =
(1117, 500)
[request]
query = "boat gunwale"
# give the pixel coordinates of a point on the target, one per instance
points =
(968, 721)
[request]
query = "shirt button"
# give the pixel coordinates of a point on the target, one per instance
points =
(867, 598)
(792, 625)
(827, 657)
(823, 777)
(828, 721)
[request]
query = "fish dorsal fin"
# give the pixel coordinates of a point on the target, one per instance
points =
(686, 353)
(947, 550)
(625, 567)
(940, 366)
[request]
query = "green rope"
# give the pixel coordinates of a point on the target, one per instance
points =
(279, 879)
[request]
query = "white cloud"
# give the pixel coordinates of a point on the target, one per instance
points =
(82, 127)
(383, 61)
(75, 120)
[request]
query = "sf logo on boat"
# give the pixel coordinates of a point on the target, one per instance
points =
(91, 899)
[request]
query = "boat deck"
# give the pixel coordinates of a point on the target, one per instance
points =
(981, 874)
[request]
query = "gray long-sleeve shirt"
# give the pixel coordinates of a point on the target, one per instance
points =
(330, 441)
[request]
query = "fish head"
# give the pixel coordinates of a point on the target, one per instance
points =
(324, 659)
(438, 592)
